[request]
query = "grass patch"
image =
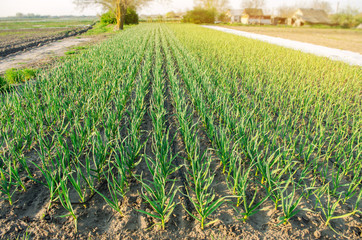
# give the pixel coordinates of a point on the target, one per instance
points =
(13, 76)
(71, 52)
(79, 48)
(100, 28)
(3, 84)
(76, 50)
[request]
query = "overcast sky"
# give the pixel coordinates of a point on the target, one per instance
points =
(66, 7)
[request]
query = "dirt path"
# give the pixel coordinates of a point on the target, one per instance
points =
(39, 54)
(349, 57)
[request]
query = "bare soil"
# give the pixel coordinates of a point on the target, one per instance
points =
(343, 39)
(12, 41)
(39, 57)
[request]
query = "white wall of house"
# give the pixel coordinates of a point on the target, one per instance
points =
(266, 21)
(245, 20)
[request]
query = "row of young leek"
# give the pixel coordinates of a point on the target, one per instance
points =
(128, 149)
(273, 155)
(225, 145)
(200, 176)
(71, 121)
(237, 178)
(160, 191)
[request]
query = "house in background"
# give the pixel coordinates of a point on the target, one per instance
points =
(255, 16)
(276, 20)
(234, 15)
(309, 16)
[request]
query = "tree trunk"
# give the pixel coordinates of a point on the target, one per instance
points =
(121, 13)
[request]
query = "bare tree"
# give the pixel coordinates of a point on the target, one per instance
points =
(119, 7)
(324, 5)
(252, 3)
(286, 11)
(219, 5)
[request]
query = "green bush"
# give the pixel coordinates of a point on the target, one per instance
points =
(28, 74)
(100, 28)
(108, 18)
(200, 15)
(348, 18)
(131, 16)
(13, 75)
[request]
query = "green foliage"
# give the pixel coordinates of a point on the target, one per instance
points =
(100, 28)
(108, 18)
(75, 50)
(199, 15)
(223, 17)
(13, 75)
(28, 73)
(3, 84)
(348, 18)
(131, 16)
(71, 52)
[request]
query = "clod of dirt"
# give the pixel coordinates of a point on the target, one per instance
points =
(317, 234)
(143, 222)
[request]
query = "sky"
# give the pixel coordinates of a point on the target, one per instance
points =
(66, 7)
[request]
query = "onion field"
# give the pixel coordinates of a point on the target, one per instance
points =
(178, 131)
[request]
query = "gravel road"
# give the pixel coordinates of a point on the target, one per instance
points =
(349, 57)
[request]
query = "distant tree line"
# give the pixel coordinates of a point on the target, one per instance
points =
(35, 16)
(347, 18)
(31, 15)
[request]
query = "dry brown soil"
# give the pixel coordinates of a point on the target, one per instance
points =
(40, 57)
(13, 41)
(335, 38)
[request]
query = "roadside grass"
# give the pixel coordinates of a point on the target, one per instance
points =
(14, 76)
(3, 84)
(100, 28)
(76, 50)
(71, 52)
